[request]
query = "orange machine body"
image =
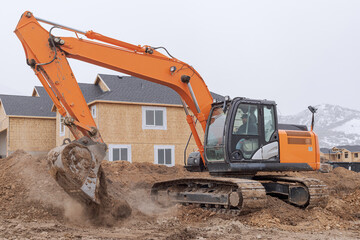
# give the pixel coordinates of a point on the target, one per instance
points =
(299, 147)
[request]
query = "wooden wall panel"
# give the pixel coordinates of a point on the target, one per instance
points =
(122, 124)
(31, 134)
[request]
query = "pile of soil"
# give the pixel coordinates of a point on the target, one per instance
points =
(133, 181)
(32, 202)
(27, 191)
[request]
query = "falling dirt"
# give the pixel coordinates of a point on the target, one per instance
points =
(32, 205)
(111, 209)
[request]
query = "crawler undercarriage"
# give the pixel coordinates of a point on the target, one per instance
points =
(240, 195)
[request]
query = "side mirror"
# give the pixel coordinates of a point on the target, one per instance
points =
(313, 111)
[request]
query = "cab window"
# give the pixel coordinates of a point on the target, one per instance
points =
(269, 122)
(246, 120)
(214, 148)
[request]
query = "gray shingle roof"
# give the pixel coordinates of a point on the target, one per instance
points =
(27, 106)
(41, 91)
(133, 89)
(122, 89)
(326, 150)
(90, 91)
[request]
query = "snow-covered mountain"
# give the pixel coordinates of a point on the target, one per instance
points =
(334, 125)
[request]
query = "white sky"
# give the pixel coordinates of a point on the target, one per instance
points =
(297, 53)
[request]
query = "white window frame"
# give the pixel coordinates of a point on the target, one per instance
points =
(112, 146)
(61, 133)
(93, 111)
(157, 147)
(144, 126)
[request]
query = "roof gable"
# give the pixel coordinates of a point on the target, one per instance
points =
(101, 84)
(35, 93)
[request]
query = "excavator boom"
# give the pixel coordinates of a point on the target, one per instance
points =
(50, 65)
(74, 165)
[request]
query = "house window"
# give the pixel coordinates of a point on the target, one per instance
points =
(346, 155)
(356, 155)
(164, 155)
(154, 118)
(338, 156)
(119, 152)
(93, 111)
(62, 126)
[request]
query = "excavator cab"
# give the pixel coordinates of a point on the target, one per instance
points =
(242, 136)
(252, 135)
(241, 131)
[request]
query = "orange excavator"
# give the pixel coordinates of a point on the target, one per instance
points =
(242, 136)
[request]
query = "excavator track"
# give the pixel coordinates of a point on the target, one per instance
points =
(225, 195)
(237, 196)
(317, 192)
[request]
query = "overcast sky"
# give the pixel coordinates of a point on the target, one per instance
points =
(297, 53)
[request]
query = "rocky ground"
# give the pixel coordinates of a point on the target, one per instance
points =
(33, 206)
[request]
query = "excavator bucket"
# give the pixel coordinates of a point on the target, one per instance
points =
(75, 166)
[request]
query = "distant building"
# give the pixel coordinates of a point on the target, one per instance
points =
(345, 153)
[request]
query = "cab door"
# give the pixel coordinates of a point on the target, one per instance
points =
(244, 132)
(253, 136)
(269, 149)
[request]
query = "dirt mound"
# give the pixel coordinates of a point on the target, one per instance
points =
(28, 191)
(342, 209)
(29, 194)
(339, 180)
(133, 181)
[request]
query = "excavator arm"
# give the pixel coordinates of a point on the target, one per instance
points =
(47, 55)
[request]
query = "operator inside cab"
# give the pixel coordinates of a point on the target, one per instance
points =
(246, 126)
(249, 125)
